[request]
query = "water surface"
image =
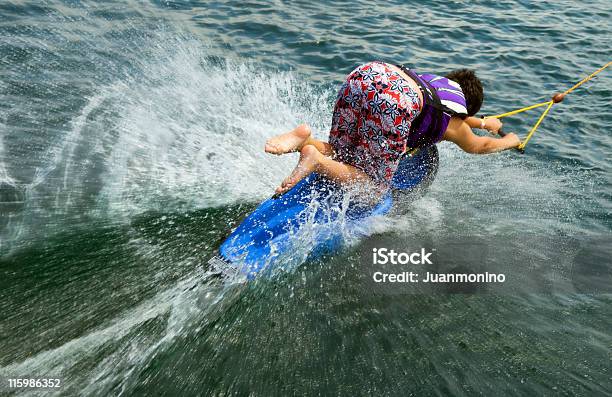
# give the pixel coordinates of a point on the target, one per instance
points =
(131, 143)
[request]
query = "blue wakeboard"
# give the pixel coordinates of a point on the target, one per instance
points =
(314, 207)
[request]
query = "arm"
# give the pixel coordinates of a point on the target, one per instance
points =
(492, 124)
(460, 133)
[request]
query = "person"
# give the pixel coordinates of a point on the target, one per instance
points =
(384, 111)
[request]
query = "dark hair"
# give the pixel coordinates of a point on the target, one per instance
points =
(471, 87)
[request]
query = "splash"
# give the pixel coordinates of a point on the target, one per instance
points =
(182, 130)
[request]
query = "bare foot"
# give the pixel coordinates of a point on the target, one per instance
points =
(309, 159)
(291, 141)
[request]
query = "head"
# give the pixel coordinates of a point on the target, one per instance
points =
(471, 87)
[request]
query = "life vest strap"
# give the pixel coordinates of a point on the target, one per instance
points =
(431, 103)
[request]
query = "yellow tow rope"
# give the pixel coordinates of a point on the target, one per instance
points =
(555, 99)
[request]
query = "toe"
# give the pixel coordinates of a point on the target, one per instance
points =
(271, 148)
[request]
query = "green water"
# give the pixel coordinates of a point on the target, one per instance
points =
(132, 142)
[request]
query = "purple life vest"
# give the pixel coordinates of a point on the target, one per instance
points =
(442, 99)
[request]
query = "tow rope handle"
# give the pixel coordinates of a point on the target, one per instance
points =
(557, 98)
(502, 134)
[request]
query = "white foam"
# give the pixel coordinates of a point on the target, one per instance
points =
(194, 132)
